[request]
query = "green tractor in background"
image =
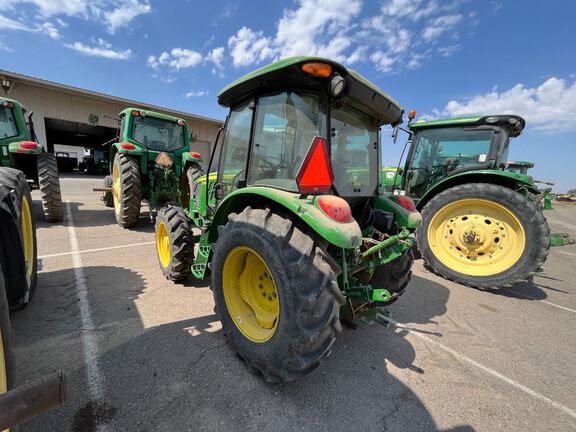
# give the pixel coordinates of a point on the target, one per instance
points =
(483, 223)
(151, 161)
(19, 149)
(293, 228)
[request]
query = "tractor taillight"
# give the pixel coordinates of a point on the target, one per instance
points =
(196, 155)
(28, 145)
(127, 146)
(335, 208)
(315, 174)
(405, 202)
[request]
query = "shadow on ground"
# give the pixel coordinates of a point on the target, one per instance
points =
(183, 376)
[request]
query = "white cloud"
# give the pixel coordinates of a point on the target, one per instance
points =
(112, 13)
(193, 93)
(125, 13)
(4, 47)
(447, 51)
(101, 49)
(548, 107)
(400, 36)
(247, 47)
(10, 24)
(177, 58)
(316, 27)
(51, 30)
(439, 26)
(216, 56)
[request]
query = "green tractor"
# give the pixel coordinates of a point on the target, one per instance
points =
(19, 149)
(151, 161)
(292, 227)
(483, 223)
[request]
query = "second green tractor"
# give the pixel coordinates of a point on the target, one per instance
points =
(151, 162)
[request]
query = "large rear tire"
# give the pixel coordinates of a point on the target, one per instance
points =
(18, 235)
(127, 190)
(276, 294)
(50, 187)
(174, 243)
(483, 235)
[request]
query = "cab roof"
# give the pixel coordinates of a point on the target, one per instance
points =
(287, 74)
(515, 124)
(13, 101)
(149, 113)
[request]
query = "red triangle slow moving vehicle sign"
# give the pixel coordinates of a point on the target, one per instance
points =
(315, 174)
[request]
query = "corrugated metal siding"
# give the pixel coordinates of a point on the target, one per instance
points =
(63, 105)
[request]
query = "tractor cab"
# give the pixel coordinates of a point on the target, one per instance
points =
(445, 148)
(305, 125)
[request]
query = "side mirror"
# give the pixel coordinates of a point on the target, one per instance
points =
(395, 134)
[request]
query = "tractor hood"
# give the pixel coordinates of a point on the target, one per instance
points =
(289, 74)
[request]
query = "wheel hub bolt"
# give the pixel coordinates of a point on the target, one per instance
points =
(263, 294)
(270, 297)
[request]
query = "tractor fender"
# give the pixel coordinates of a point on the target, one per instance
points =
(136, 151)
(406, 218)
(507, 179)
(190, 157)
(16, 147)
(346, 235)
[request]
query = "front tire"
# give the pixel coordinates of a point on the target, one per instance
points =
(174, 243)
(20, 250)
(127, 190)
(483, 235)
(49, 184)
(276, 294)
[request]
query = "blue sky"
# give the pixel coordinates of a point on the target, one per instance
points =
(443, 58)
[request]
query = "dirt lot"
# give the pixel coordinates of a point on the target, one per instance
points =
(144, 354)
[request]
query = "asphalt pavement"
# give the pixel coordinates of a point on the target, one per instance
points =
(143, 353)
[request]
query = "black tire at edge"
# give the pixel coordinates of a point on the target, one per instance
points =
(15, 180)
(50, 187)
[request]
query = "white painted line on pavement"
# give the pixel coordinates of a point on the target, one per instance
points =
(96, 250)
(489, 371)
(88, 330)
(541, 301)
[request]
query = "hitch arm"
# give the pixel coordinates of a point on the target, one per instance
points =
(388, 242)
(31, 399)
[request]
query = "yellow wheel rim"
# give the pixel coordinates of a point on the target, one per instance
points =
(3, 375)
(27, 237)
(476, 237)
(163, 244)
(116, 188)
(251, 295)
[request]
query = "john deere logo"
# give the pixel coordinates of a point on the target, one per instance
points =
(93, 119)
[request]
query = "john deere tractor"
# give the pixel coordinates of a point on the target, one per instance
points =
(293, 229)
(20, 149)
(483, 223)
(151, 161)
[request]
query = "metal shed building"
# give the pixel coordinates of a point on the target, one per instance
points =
(71, 116)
